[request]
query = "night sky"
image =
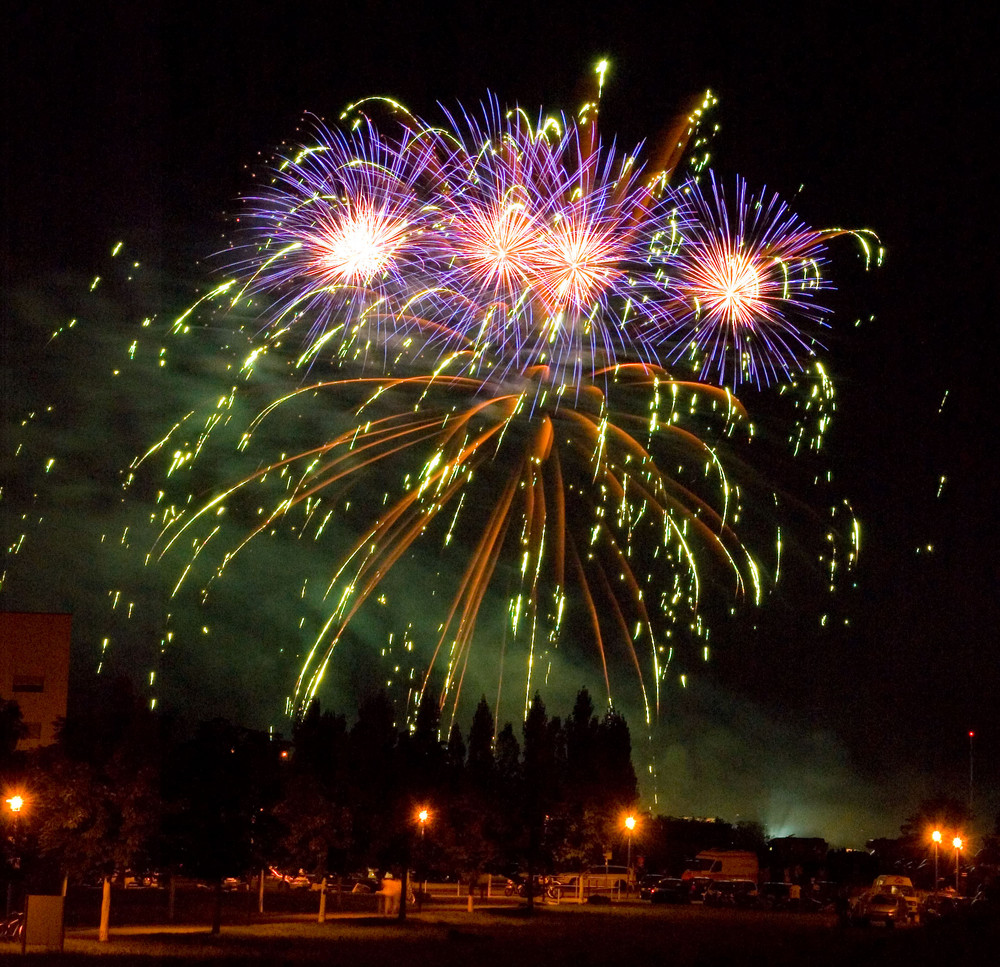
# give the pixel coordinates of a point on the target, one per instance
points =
(145, 122)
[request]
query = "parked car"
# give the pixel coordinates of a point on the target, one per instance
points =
(887, 909)
(938, 906)
(776, 896)
(648, 884)
(671, 890)
(899, 886)
(293, 881)
(731, 893)
(698, 886)
(607, 879)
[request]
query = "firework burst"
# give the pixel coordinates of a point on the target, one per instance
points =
(747, 278)
(521, 347)
(565, 505)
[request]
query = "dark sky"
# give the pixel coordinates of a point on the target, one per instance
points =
(139, 122)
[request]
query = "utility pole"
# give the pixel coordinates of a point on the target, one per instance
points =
(972, 736)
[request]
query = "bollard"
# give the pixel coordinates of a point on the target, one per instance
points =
(471, 904)
(102, 933)
(321, 917)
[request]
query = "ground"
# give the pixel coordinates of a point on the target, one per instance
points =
(576, 936)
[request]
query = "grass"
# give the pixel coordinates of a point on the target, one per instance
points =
(629, 935)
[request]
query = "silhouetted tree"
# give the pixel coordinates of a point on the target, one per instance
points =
(374, 782)
(223, 784)
(480, 761)
(96, 796)
(615, 774)
(581, 733)
(12, 730)
(538, 760)
(455, 754)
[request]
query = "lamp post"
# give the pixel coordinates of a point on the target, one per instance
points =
(972, 736)
(630, 826)
(957, 843)
(423, 815)
(15, 803)
(936, 836)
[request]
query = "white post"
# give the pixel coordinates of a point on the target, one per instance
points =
(322, 902)
(102, 933)
(471, 903)
(260, 893)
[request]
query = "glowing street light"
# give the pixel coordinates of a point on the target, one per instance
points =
(630, 826)
(15, 803)
(936, 836)
(423, 817)
(957, 843)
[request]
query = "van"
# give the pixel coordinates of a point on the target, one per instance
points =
(724, 864)
(607, 880)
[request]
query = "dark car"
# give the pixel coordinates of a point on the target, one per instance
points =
(731, 893)
(698, 885)
(776, 896)
(938, 906)
(648, 884)
(671, 890)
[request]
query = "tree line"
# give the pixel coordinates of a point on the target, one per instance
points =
(127, 788)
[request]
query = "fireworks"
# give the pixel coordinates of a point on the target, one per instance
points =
(520, 348)
(553, 499)
(523, 244)
(519, 287)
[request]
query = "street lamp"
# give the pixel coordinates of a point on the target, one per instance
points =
(957, 843)
(630, 826)
(15, 803)
(423, 815)
(936, 836)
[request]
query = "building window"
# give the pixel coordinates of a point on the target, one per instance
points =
(29, 683)
(33, 730)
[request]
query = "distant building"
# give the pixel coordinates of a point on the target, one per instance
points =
(34, 670)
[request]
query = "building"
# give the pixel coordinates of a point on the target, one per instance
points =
(34, 670)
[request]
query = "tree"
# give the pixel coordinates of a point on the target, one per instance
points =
(537, 769)
(12, 730)
(374, 783)
(223, 784)
(96, 799)
(455, 753)
(315, 821)
(315, 832)
(480, 761)
(581, 733)
(616, 779)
